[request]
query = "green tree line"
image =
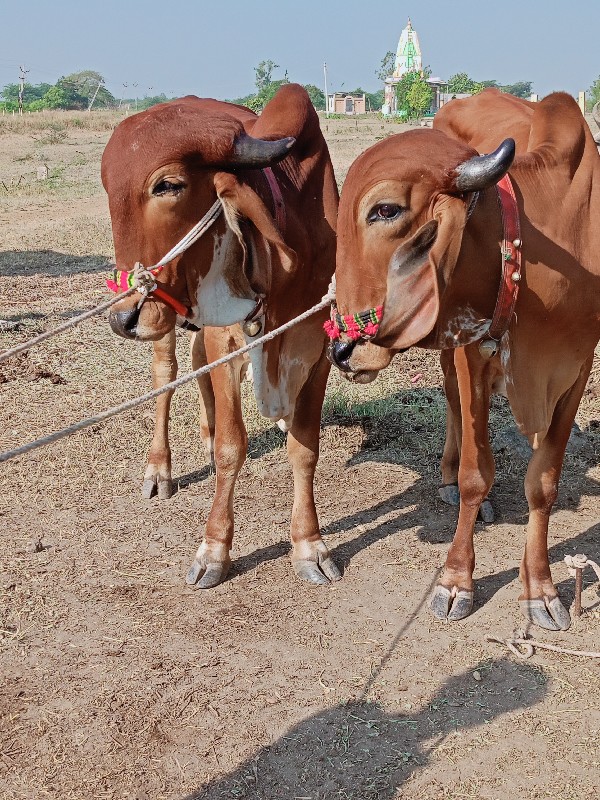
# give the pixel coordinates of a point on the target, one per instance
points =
(70, 92)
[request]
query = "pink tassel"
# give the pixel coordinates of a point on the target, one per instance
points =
(331, 329)
(112, 285)
(371, 329)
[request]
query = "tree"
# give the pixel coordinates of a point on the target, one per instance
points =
(56, 97)
(80, 87)
(388, 62)
(148, 102)
(263, 74)
(405, 98)
(593, 93)
(317, 96)
(419, 97)
(521, 89)
(462, 84)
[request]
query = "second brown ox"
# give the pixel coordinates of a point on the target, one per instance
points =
(414, 237)
(268, 257)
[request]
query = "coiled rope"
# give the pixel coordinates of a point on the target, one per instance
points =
(137, 401)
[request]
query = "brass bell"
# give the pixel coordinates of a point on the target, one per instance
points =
(252, 327)
(488, 348)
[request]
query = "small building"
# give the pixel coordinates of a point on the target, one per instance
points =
(340, 103)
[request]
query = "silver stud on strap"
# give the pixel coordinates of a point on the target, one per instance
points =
(516, 276)
(517, 242)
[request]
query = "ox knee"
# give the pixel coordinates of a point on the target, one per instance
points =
(541, 492)
(474, 486)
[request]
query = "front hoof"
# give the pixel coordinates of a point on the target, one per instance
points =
(163, 487)
(206, 576)
(548, 614)
(451, 604)
(318, 570)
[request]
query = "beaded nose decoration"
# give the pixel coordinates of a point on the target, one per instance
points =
(363, 325)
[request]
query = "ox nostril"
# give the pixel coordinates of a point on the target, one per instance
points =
(339, 354)
(124, 323)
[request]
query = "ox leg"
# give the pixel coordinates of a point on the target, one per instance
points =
(212, 560)
(157, 477)
(448, 491)
(453, 596)
(451, 455)
(207, 397)
(539, 600)
(310, 556)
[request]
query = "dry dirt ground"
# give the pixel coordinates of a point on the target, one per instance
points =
(117, 681)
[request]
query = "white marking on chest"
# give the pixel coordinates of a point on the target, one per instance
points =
(464, 328)
(217, 305)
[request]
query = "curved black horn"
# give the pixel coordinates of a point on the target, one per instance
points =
(257, 153)
(480, 172)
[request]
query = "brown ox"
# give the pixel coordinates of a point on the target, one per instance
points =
(162, 170)
(406, 241)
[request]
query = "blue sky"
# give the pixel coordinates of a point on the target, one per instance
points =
(209, 48)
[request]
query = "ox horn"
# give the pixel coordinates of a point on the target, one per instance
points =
(480, 172)
(257, 153)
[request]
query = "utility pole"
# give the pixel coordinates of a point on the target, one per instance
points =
(326, 93)
(123, 94)
(23, 73)
(100, 82)
(135, 87)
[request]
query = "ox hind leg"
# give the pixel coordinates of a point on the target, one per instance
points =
(157, 477)
(448, 491)
(310, 557)
(539, 600)
(452, 598)
(212, 560)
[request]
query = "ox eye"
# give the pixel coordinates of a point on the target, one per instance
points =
(386, 212)
(168, 187)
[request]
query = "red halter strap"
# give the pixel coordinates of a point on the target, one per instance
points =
(511, 260)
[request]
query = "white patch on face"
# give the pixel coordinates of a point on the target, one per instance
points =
(217, 306)
(464, 328)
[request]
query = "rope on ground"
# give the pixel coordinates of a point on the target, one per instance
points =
(520, 640)
(70, 323)
(169, 387)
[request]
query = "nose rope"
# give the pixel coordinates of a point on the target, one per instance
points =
(363, 325)
(142, 278)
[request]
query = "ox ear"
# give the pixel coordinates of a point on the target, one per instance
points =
(240, 201)
(412, 299)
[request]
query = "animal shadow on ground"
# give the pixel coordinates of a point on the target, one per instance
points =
(27, 263)
(358, 751)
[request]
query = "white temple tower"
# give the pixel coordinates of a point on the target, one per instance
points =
(408, 59)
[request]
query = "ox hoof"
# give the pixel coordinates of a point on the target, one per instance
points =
(548, 614)
(162, 487)
(451, 604)
(450, 494)
(206, 576)
(319, 572)
(486, 511)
